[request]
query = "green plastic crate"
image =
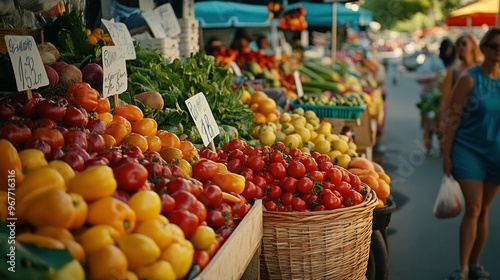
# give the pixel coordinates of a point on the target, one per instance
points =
(336, 112)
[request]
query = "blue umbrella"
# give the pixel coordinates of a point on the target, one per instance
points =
(320, 14)
(218, 14)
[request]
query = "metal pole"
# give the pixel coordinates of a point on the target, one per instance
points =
(334, 31)
(498, 15)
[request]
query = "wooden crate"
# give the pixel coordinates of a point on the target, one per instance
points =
(239, 251)
(36, 33)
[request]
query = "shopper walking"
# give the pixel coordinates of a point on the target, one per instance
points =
(471, 151)
(469, 55)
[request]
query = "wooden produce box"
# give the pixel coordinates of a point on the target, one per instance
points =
(365, 131)
(36, 33)
(238, 258)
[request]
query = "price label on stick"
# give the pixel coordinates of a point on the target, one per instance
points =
(114, 71)
(169, 20)
(26, 62)
(154, 23)
(298, 84)
(121, 37)
(203, 118)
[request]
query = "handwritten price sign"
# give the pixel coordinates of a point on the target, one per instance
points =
(121, 37)
(26, 62)
(203, 118)
(114, 71)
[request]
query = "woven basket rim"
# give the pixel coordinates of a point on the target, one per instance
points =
(370, 201)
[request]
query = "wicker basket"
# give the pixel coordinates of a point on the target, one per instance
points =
(318, 245)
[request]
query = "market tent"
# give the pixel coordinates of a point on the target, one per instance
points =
(320, 14)
(476, 14)
(219, 14)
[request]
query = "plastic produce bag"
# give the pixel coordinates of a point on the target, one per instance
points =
(449, 200)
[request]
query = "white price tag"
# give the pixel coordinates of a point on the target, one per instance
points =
(298, 83)
(114, 70)
(121, 37)
(203, 118)
(26, 62)
(154, 24)
(169, 20)
(147, 5)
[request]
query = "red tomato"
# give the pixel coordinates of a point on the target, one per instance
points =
(234, 165)
(236, 154)
(201, 258)
(96, 125)
(200, 211)
(74, 160)
(320, 207)
(133, 152)
(298, 204)
(211, 196)
(309, 163)
(50, 136)
(290, 185)
(215, 218)
(121, 195)
(167, 204)
(96, 161)
(276, 156)
(209, 154)
(259, 193)
(343, 188)
(50, 109)
(241, 208)
(250, 190)
(56, 154)
(29, 108)
(334, 175)
(270, 205)
(84, 95)
(154, 169)
(352, 198)
(204, 169)
(248, 174)
(274, 192)
(16, 134)
(226, 231)
(280, 146)
(323, 158)
(362, 189)
(330, 200)
(76, 116)
(185, 200)
(130, 176)
(316, 176)
(286, 199)
(7, 111)
(304, 185)
(325, 166)
(77, 138)
(235, 144)
(355, 181)
(259, 181)
(277, 169)
(256, 162)
(79, 150)
(327, 185)
(187, 221)
(178, 184)
(296, 169)
(95, 143)
(34, 143)
(295, 153)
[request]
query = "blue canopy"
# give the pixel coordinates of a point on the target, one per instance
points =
(320, 14)
(218, 14)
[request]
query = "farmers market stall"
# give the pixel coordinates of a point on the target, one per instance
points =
(127, 164)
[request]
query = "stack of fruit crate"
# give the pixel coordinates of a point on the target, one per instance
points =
(189, 37)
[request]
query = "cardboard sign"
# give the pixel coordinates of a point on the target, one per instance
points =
(26, 62)
(147, 5)
(154, 24)
(114, 71)
(298, 83)
(203, 118)
(168, 20)
(121, 37)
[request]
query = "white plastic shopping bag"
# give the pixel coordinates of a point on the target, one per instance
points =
(450, 199)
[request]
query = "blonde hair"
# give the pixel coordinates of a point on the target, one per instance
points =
(476, 52)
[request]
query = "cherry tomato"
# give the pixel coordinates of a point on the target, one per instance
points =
(76, 116)
(187, 221)
(298, 204)
(51, 136)
(277, 169)
(343, 187)
(130, 176)
(201, 258)
(274, 192)
(310, 164)
(271, 205)
(352, 197)
(304, 185)
(316, 176)
(330, 200)
(17, 134)
(286, 199)
(250, 190)
(256, 162)
(296, 169)
(290, 185)
(334, 175)
(211, 196)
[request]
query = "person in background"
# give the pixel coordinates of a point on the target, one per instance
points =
(241, 41)
(471, 151)
(469, 55)
(212, 45)
(263, 45)
(428, 74)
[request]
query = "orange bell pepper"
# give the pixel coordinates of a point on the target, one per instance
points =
(113, 212)
(230, 182)
(11, 170)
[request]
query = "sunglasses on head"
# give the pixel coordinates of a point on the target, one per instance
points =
(494, 47)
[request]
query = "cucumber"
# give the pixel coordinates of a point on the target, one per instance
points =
(311, 75)
(311, 90)
(331, 86)
(324, 72)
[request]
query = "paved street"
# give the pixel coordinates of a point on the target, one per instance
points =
(422, 247)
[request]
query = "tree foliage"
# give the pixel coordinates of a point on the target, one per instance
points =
(388, 13)
(448, 6)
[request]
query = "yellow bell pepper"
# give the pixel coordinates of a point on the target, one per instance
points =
(113, 212)
(10, 166)
(64, 169)
(108, 262)
(158, 229)
(160, 270)
(146, 204)
(32, 159)
(94, 183)
(97, 237)
(139, 249)
(180, 256)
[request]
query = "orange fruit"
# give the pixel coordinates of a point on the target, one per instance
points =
(154, 143)
(168, 139)
(98, 32)
(171, 154)
(258, 96)
(135, 139)
(267, 106)
(259, 118)
(92, 39)
(271, 117)
(109, 140)
(254, 107)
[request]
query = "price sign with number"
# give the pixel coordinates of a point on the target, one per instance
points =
(298, 84)
(26, 62)
(203, 118)
(169, 20)
(114, 71)
(154, 23)
(121, 37)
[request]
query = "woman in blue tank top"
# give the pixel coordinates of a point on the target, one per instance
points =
(471, 151)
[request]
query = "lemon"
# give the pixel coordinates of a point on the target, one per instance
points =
(318, 138)
(352, 146)
(280, 136)
(340, 145)
(285, 118)
(344, 138)
(309, 127)
(332, 137)
(310, 145)
(305, 150)
(314, 134)
(352, 153)
(287, 128)
(299, 122)
(299, 111)
(292, 141)
(314, 123)
(333, 154)
(324, 128)
(343, 160)
(310, 115)
(267, 137)
(300, 139)
(304, 133)
(322, 147)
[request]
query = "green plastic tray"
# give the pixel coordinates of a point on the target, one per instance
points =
(336, 112)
